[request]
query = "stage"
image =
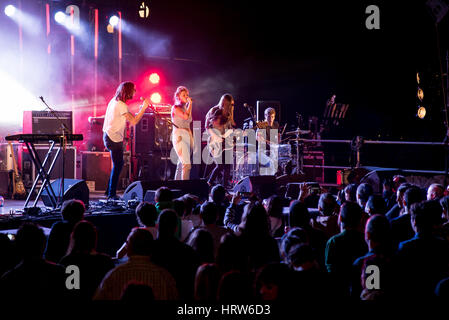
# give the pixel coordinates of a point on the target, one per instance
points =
(113, 223)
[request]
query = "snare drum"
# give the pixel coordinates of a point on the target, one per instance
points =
(285, 151)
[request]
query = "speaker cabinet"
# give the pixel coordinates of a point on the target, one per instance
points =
(96, 169)
(73, 189)
(46, 122)
(138, 189)
(263, 186)
(152, 133)
(155, 166)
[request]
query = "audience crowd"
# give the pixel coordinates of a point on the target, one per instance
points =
(354, 245)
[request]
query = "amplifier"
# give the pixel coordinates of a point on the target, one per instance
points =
(313, 165)
(155, 166)
(96, 168)
(152, 133)
(29, 169)
(46, 122)
(6, 162)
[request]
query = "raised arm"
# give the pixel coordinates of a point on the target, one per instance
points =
(133, 120)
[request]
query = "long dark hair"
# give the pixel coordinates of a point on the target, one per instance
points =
(124, 91)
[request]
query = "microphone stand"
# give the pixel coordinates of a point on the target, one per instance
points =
(63, 143)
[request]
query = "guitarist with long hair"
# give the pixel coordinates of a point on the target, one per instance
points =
(220, 119)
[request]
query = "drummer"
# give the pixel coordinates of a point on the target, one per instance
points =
(267, 125)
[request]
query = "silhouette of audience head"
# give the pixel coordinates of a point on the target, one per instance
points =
(234, 286)
(167, 223)
(30, 241)
(350, 216)
(400, 193)
(206, 282)
(218, 194)
(203, 244)
(163, 194)
(274, 207)
(293, 237)
(272, 282)
(425, 216)
(139, 242)
(364, 190)
(378, 232)
(301, 257)
(73, 211)
(137, 293)
(146, 214)
(209, 212)
(255, 220)
(435, 191)
(412, 195)
(299, 215)
(375, 205)
(179, 207)
(327, 204)
(351, 192)
(397, 181)
(83, 238)
(230, 254)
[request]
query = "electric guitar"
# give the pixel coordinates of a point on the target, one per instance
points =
(215, 141)
(18, 189)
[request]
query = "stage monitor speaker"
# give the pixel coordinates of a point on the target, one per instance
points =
(263, 186)
(138, 189)
(150, 195)
(73, 189)
(152, 133)
(262, 105)
(46, 122)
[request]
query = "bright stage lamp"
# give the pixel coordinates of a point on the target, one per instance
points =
(10, 10)
(154, 78)
(60, 17)
(156, 97)
(421, 112)
(113, 21)
(420, 94)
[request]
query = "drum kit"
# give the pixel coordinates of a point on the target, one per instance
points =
(259, 163)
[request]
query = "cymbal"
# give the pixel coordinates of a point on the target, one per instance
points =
(298, 132)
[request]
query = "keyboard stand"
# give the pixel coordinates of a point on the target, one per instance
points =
(42, 174)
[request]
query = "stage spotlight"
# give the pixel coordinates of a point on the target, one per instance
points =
(154, 78)
(113, 21)
(417, 78)
(420, 94)
(144, 11)
(10, 10)
(60, 17)
(156, 97)
(421, 112)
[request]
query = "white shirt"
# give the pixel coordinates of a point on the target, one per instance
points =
(114, 120)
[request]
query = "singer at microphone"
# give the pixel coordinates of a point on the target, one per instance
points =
(117, 113)
(182, 138)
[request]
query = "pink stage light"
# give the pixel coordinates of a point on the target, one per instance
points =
(156, 97)
(154, 78)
